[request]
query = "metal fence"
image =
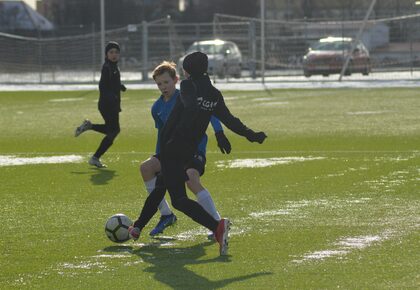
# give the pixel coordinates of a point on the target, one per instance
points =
(393, 44)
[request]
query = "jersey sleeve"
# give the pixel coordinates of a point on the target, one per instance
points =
(155, 115)
(215, 123)
(225, 116)
(105, 82)
(188, 99)
(158, 125)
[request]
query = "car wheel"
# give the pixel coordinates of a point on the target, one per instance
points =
(366, 71)
(238, 72)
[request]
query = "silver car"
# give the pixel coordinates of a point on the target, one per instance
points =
(225, 58)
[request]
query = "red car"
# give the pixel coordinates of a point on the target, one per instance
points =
(329, 54)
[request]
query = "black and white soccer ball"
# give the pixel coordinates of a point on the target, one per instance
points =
(116, 228)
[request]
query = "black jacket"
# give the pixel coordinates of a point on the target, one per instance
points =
(189, 119)
(110, 88)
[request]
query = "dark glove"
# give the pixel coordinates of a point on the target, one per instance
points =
(123, 88)
(223, 142)
(256, 136)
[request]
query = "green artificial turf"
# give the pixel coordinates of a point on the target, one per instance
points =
(338, 207)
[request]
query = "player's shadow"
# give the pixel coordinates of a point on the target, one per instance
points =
(100, 176)
(170, 265)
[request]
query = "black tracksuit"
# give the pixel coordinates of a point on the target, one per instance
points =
(109, 105)
(180, 136)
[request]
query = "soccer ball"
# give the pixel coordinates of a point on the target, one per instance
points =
(116, 228)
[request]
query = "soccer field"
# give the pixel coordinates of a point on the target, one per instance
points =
(330, 200)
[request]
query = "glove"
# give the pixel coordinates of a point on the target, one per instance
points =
(256, 136)
(223, 142)
(123, 88)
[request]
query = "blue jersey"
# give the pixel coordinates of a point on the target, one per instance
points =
(161, 111)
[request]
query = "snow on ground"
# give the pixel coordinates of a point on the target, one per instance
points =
(262, 162)
(374, 80)
(11, 160)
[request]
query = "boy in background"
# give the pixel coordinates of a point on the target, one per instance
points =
(166, 79)
(109, 104)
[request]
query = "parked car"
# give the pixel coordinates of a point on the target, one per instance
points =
(225, 58)
(328, 55)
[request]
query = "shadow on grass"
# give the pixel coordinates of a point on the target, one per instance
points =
(100, 176)
(171, 265)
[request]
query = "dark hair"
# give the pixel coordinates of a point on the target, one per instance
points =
(110, 45)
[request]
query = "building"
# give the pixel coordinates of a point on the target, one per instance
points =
(117, 13)
(17, 17)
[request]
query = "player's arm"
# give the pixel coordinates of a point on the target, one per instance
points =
(158, 126)
(105, 83)
(222, 112)
(222, 141)
(188, 97)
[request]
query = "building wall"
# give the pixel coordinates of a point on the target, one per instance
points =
(117, 13)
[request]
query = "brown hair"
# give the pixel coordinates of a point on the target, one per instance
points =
(165, 66)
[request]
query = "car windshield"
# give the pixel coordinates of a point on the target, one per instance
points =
(207, 48)
(337, 45)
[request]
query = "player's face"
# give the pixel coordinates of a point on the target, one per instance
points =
(166, 84)
(113, 55)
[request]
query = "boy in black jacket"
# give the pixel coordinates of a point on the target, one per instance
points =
(109, 104)
(179, 138)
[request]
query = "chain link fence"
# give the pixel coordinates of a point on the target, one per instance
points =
(393, 45)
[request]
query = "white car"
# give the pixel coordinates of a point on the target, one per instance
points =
(225, 58)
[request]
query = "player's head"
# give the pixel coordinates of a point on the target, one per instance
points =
(165, 77)
(112, 51)
(195, 64)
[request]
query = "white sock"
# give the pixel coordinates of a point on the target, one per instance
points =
(150, 185)
(163, 205)
(205, 200)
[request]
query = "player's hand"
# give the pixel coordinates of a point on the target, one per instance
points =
(223, 142)
(123, 88)
(256, 136)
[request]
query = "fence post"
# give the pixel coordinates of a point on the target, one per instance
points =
(145, 72)
(262, 4)
(93, 52)
(171, 46)
(252, 42)
(40, 57)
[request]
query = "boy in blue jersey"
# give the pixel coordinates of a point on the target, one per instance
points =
(166, 79)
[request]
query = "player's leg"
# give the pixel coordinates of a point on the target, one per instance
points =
(203, 195)
(112, 124)
(149, 209)
(174, 176)
(86, 125)
(148, 171)
(173, 168)
(196, 212)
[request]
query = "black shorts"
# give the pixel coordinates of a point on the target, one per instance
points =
(198, 162)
